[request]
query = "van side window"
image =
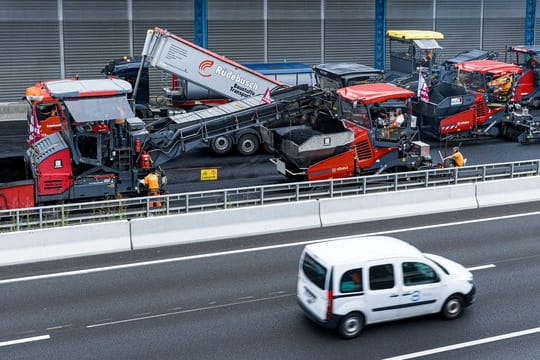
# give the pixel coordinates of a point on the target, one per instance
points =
(415, 273)
(351, 281)
(381, 277)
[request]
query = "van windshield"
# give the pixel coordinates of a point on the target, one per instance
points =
(314, 271)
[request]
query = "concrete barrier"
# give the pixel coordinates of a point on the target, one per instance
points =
(508, 191)
(222, 224)
(389, 205)
(64, 242)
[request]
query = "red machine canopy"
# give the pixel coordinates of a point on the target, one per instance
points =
(372, 93)
(489, 66)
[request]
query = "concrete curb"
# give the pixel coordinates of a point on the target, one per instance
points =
(13, 110)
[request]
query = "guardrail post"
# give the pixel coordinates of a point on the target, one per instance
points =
(187, 203)
(395, 182)
(17, 220)
(537, 167)
(364, 185)
(41, 218)
(484, 173)
(225, 199)
(332, 188)
(297, 192)
(262, 196)
(512, 171)
(426, 178)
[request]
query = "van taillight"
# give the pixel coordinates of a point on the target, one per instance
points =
(329, 300)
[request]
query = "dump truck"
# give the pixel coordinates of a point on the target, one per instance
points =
(207, 70)
(372, 131)
(180, 95)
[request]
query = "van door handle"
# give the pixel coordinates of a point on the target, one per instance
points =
(406, 294)
(395, 295)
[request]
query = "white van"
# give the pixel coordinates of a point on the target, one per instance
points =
(346, 284)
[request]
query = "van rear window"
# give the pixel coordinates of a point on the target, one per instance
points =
(314, 271)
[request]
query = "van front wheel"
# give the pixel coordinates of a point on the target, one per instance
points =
(453, 307)
(351, 326)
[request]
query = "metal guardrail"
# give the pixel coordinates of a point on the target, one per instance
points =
(100, 211)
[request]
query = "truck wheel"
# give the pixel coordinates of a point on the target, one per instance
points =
(221, 144)
(351, 326)
(248, 144)
(453, 307)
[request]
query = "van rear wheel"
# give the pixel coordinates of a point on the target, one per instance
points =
(351, 326)
(453, 307)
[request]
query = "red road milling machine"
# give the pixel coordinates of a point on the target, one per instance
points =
(369, 130)
(484, 102)
(101, 150)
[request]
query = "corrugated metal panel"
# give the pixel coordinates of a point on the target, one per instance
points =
(94, 33)
(30, 45)
(537, 33)
(173, 15)
(408, 15)
(236, 29)
(459, 21)
(503, 25)
(294, 31)
(349, 31)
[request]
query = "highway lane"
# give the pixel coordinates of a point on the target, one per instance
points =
(240, 304)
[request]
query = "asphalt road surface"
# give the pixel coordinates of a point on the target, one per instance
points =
(236, 171)
(236, 299)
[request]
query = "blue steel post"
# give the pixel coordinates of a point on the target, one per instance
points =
(530, 23)
(200, 23)
(380, 33)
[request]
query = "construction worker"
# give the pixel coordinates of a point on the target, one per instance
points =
(119, 124)
(151, 181)
(456, 158)
(501, 86)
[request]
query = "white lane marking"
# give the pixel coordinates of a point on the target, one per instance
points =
(247, 250)
(481, 267)
(465, 344)
(186, 311)
(25, 340)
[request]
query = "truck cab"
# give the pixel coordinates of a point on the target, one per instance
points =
(47, 102)
(526, 56)
(333, 76)
(410, 50)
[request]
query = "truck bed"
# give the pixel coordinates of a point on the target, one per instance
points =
(304, 145)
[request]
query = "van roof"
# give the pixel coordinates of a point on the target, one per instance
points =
(361, 249)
